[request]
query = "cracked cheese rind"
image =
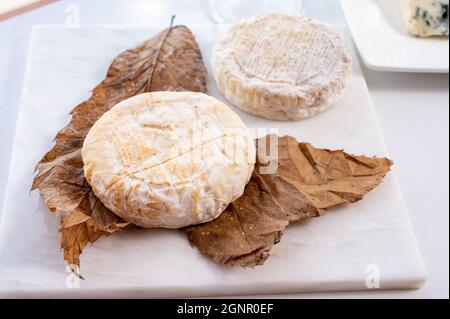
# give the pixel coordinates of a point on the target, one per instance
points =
(281, 67)
(168, 159)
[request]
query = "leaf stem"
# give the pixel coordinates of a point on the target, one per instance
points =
(155, 62)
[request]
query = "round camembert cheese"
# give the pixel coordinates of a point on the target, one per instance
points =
(281, 67)
(168, 159)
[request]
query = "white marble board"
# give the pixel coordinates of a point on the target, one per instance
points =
(336, 252)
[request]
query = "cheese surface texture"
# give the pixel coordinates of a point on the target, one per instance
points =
(281, 67)
(168, 159)
(425, 18)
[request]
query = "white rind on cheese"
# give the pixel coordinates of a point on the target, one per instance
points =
(281, 67)
(426, 18)
(167, 159)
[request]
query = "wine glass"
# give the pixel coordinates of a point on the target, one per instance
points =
(229, 11)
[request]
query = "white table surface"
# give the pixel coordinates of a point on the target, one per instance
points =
(412, 108)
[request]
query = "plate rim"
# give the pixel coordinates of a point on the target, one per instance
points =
(381, 67)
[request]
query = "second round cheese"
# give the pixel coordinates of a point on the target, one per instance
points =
(281, 67)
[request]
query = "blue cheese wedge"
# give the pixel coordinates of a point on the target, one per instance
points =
(426, 18)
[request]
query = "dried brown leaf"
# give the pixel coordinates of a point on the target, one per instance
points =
(170, 61)
(308, 181)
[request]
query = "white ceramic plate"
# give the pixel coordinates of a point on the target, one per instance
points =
(368, 240)
(378, 31)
